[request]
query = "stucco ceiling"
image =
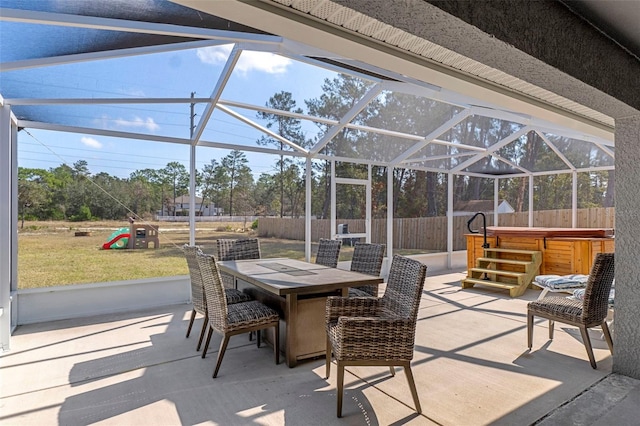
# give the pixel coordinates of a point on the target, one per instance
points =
(619, 19)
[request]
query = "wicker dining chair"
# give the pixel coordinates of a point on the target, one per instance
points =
(377, 331)
(328, 252)
(236, 318)
(236, 249)
(197, 291)
(584, 314)
(367, 259)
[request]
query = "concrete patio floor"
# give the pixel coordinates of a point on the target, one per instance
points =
(471, 367)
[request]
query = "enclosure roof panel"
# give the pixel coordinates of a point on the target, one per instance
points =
(63, 64)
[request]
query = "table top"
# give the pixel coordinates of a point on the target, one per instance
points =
(283, 276)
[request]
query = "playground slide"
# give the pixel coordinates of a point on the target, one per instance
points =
(117, 241)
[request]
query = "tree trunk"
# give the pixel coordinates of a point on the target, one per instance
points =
(432, 199)
(327, 192)
(531, 150)
(609, 196)
(281, 182)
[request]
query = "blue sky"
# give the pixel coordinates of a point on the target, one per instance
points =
(257, 77)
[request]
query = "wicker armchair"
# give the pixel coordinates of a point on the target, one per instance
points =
(377, 331)
(197, 291)
(230, 249)
(237, 318)
(328, 252)
(367, 259)
(584, 314)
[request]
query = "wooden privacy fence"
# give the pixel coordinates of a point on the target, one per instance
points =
(430, 233)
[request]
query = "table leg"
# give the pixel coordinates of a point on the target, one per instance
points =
(290, 317)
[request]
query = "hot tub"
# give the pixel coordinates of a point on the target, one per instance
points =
(564, 250)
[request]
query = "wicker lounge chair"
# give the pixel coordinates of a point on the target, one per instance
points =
(328, 252)
(377, 331)
(237, 318)
(240, 249)
(367, 259)
(584, 314)
(197, 291)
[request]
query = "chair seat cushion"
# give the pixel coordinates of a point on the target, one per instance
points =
(561, 282)
(248, 314)
(236, 296)
(560, 307)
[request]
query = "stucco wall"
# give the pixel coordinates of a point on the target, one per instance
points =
(626, 359)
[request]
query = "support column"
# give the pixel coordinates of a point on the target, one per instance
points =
(626, 358)
(450, 178)
(574, 199)
(530, 223)
(496, 201)
(192, 196)
(390, 212)
(8, 224)
(334, 227)
(368, 207)
(307, 212)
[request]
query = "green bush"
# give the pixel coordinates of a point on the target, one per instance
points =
(83, 215)
(254, 224)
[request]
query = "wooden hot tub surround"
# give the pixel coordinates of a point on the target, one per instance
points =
(563, 251)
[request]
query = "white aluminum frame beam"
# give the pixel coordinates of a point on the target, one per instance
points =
(493, 148)
(555, 149)
(232, 60)
(261, 128)
(444, 127)
(353, 111)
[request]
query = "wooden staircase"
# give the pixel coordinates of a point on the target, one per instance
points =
(509, 269)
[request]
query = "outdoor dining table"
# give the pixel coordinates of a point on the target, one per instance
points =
(298, 290)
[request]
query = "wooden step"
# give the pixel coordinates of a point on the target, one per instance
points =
(498, 272)
(495, 269)
(515, 290)
(507, 286)
(513, 251)
(501, 260)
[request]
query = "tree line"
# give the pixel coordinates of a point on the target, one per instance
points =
(72, 193)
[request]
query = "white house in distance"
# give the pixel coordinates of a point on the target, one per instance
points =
(470, 207)
(181, 205)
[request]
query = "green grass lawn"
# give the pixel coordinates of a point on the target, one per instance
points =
(49, 253)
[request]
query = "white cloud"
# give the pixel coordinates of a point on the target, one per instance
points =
(107, 122)
(137, 122)
(214, 55)
(91, 142)
(249, 61)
